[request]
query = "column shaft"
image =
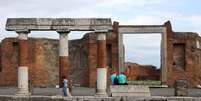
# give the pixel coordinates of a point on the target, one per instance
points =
(101, 69)
(63, 57)
(102, 56)
(23, 64)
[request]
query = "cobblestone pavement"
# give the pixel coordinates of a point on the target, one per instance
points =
(82, 91)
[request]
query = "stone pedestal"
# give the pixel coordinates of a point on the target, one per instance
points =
(181, 88)
(23, 81)
(101, 81)
(129, 90)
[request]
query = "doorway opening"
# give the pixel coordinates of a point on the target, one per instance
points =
(142, 56)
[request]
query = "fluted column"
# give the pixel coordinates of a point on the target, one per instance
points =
(23, 63)
(63, 56)
(101, 65)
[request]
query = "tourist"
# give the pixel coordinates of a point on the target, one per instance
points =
(122, 79)
(112, 78)
(65, 86)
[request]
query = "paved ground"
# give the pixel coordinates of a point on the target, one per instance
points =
(81, 91)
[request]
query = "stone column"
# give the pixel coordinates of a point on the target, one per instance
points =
(101, 63)
(23, 63)
(63, 56)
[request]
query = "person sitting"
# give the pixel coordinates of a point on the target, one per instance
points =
(112, 78)
(122, 79)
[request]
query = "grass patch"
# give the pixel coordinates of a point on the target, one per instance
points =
(144, 82)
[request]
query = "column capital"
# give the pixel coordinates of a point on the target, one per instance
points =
(22, 34)
(63, 31)
(101, 36)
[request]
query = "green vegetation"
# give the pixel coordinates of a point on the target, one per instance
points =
(150, 83)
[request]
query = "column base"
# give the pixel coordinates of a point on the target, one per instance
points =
(101, 82)
(23, 93)
(23, 88)
(101, 93)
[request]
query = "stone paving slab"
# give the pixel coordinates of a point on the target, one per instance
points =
(82, 91)
(93, 98)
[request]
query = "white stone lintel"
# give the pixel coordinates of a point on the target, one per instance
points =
(101, 31)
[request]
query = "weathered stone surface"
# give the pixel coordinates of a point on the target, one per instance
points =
(132, 29)
(181, 88)
(71, 24)
(186, 59)
(130, 90)
(93, 98)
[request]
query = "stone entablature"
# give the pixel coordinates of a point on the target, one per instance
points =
(55, 24)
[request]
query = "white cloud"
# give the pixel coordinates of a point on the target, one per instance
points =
(130, 2)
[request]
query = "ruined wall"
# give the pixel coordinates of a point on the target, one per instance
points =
(135, 71)
(8, 75)
(186, 59)
(112, 55)
(78, 62)
(44, 60)
(183, 59)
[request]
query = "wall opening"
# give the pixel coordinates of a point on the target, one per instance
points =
(143, 56)
(179, 56)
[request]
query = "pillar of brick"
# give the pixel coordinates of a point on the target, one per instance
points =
(101, 65)
(23, 64)
(63, 56)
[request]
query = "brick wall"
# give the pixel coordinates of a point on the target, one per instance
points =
(135, 71)
(43, 62)
(44, 65)
(186, 59)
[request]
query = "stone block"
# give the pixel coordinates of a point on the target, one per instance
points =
(130, 90)
(175, 99)
(158, 98)
(94, 98)
(181, 88)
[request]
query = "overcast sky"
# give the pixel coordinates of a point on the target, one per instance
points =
(185, 15)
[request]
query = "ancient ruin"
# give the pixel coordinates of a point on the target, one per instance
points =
(45, 61)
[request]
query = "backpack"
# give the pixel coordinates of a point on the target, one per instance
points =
(116, 80)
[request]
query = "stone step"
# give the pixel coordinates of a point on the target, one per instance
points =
(129, 90)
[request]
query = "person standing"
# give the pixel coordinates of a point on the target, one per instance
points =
(65, 86)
